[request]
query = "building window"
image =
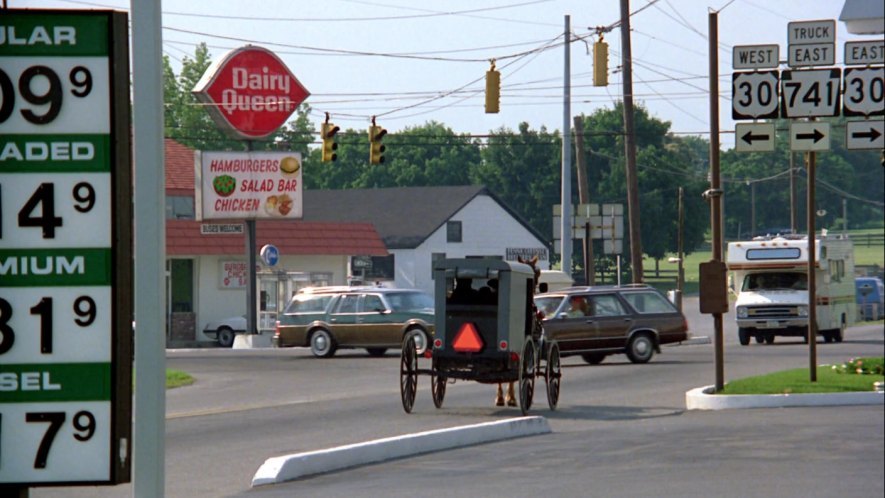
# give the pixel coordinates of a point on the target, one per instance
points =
(453, 231)
(179, 207)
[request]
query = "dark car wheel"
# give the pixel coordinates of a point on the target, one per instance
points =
(593, 358)
(769, 338)
(641, 348)
(225, 337)
(322, 345)
(744, 336)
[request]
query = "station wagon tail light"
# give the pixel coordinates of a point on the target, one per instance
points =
(502, 346)
(276, 328)
(467, 340)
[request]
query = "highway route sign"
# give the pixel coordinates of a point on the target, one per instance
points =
(754, 137)
(865, 53)
(754, 95)
(809, 136)
(868, 134)
(810, 93)
(811, 43)
(65, 249)
(755, 56)
(864, 91)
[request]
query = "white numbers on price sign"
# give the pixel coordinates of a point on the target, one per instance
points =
(754, 95)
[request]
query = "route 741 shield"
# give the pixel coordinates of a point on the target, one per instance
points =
(754, 95)
(811, 93)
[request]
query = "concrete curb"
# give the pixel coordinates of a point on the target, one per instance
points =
(290, 467)
(702, 398)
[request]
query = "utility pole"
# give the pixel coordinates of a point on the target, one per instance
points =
(630, 147)
(584, 198)
(715, 192)
(565, 242)
(793, 196)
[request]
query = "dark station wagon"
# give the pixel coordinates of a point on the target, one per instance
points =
(374, 318)
(597, 321)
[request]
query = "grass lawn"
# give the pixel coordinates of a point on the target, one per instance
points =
(177, 378)
(796, 381)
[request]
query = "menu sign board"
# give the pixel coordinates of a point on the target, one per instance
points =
(248, 185)
(65, 248)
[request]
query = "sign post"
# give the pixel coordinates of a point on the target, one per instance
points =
(65, 249)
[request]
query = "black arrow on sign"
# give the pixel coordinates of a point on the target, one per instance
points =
(749, 137)
(873, 134)
(816, 136)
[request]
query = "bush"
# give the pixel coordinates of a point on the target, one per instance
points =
(862, 366)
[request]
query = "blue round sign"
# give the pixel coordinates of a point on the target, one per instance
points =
(270, 254)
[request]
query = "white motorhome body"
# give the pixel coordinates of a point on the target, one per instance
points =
(770, 277)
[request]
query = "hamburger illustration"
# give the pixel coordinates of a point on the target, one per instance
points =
(289, 165)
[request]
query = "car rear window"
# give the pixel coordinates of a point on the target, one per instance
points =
(649, 302)
(410, 301)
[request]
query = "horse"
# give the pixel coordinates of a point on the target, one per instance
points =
(510, 399)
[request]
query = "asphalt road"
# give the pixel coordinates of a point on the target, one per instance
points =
(620, 430)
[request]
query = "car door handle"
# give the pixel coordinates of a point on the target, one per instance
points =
(628, 319)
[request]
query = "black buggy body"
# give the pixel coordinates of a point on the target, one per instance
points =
(486, 330)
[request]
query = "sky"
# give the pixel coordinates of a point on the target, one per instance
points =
(407, 62)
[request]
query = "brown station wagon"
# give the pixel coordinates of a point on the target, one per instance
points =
(597, 321)
(374, 318)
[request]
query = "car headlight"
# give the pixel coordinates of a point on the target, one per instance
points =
(742, 312)
(802, 310)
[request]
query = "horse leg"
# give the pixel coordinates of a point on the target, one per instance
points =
(499, 398)
(511, 396)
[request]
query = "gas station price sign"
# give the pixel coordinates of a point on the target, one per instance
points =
(65, 248)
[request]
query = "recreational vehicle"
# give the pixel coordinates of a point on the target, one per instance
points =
(770, 278)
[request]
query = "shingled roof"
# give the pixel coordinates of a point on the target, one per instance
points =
(403, 216)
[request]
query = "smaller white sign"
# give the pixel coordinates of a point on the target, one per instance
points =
(221, 228)
(860, 135)
(755, 56)
(863, 53)
(813, 54)
(805, 32)
(233, 274)
(807, 137)
(754, 137)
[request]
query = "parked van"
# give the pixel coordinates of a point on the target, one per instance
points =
(870, 298)
(771, 283)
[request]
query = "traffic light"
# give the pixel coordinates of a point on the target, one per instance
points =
(376, 148)
(329, 130)
(600, 63)
(493, 90)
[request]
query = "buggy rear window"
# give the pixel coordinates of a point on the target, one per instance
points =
(774, 253)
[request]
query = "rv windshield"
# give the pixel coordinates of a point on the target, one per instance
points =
(775, 281)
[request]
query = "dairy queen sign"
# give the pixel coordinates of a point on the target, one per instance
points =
(250, 92)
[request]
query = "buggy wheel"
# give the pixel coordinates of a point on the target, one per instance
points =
(553, 375)
(437, 388)
(527, 376)
(408, 375)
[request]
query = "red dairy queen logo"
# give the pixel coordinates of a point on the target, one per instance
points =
(250, 92)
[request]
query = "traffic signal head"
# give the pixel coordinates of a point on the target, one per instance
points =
(376, 148)
(600, 63)
(493, 90)
(328, 133)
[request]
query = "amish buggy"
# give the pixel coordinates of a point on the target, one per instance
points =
(486, 330)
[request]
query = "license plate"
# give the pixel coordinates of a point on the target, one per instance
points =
(772, 324)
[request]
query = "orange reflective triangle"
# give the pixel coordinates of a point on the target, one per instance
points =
(467, 340)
